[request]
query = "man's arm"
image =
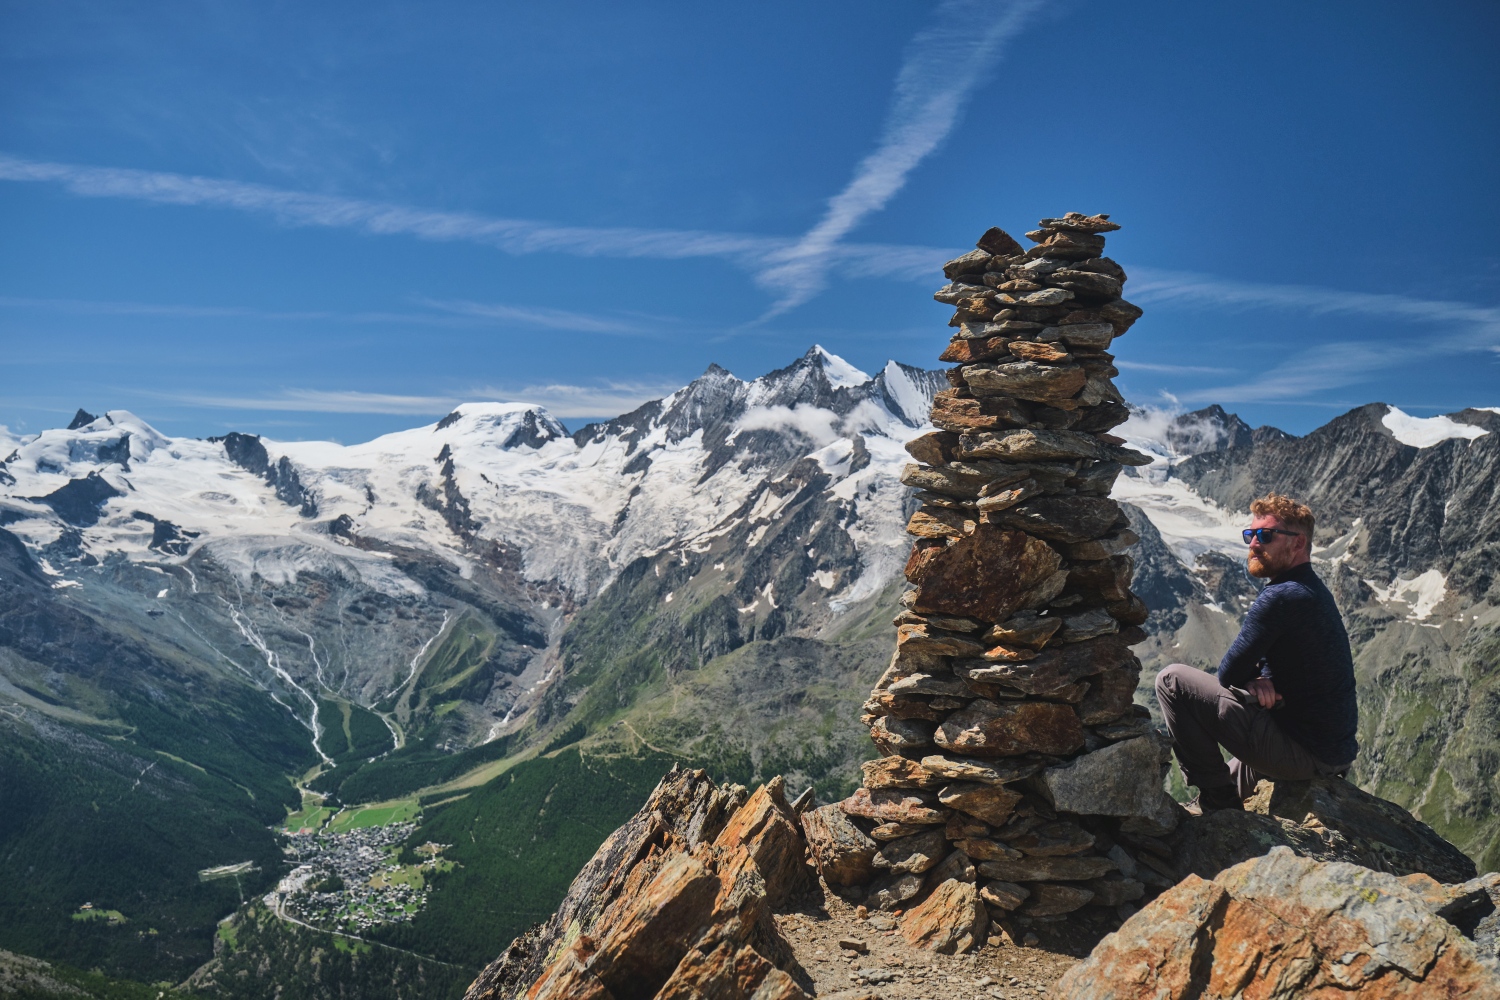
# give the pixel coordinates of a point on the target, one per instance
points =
(1263, 626)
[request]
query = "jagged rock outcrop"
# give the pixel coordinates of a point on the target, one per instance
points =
(1283, 926)
(675, 904)
(1007, 714)
(1325, 819)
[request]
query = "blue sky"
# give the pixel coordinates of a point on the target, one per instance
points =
(336, 221)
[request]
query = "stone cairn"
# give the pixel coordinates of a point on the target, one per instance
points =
(1017, 767)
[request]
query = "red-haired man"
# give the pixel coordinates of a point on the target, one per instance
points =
(1283, 702)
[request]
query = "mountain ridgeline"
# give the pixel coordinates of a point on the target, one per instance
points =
(507, 632)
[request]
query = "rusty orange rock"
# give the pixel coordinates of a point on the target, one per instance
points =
(952, 920)
(1280, 927)
(895, 805)
(985, 574)
(994, 729)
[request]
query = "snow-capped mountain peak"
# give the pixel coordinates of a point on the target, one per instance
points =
(840, 373)
(1425, 432)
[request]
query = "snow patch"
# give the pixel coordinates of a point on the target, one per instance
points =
(1421, 593)
(1424, 432)
(1190, 524)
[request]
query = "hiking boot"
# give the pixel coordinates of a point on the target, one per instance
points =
(1215, 799)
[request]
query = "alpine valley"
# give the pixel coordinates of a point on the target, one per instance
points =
(300, 719)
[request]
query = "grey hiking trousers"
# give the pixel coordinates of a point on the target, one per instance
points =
(1202, 716)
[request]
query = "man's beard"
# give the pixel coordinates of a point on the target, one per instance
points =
(1258, 567)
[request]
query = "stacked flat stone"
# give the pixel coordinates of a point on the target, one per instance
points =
(1016, 760)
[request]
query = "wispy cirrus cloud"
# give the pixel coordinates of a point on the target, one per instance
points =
(320, 401)
(602, 399)
(1453, 328)
(1160, 286)
(1146, 366)
(539, 316)
(444, 313)
(514, 236)
(943, 65)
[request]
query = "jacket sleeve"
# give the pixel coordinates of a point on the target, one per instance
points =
(1263, 625)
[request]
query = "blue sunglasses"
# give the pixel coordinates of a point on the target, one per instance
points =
(1264, 535)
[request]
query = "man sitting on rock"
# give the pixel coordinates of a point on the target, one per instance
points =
(1283, 703)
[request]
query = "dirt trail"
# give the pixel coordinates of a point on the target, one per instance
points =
(891, 969)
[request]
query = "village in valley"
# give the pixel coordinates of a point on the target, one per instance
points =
(348, 876)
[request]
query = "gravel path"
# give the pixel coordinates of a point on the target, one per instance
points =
(850, 957)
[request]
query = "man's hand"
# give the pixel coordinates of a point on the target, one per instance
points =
(1264, 691)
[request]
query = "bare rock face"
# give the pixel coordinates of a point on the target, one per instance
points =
(1324, 819)
(677, 903)
(1379, 834)
(1283, 926)
(1123, 779)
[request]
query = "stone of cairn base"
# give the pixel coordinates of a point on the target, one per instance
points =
(1017, 768)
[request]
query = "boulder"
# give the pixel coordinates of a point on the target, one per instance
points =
(991, 729)
(1004, 895)
(1025, 379)
(899, 772)
(895, 805)
(1025, 629)
(985, 849)
(956, 865)
(844, 854)
(895, 831)
(919, 852)
(1114, 891)
(1110, 696)
(1054, 669)
(954, 413)
(991, 772)
(894, 735)
(890, 892)
(991, 803)
(1064, 519)
(1381, 834)
(1327, 819)
(952, 920)
(1028, 445)
(984, 575)
(1123, 779)
(1284, 926)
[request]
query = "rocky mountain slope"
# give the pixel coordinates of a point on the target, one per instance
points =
(185, 623)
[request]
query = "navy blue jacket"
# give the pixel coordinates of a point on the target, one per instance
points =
(1295, 627)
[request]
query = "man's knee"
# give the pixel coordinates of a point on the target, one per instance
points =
(1167, 682)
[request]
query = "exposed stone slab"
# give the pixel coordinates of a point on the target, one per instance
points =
(984, 575)
(1284, 926)
(991, 729)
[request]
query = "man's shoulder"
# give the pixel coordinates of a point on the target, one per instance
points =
(1297, 587)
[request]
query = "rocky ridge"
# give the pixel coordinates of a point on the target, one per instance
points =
(1016, 760)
